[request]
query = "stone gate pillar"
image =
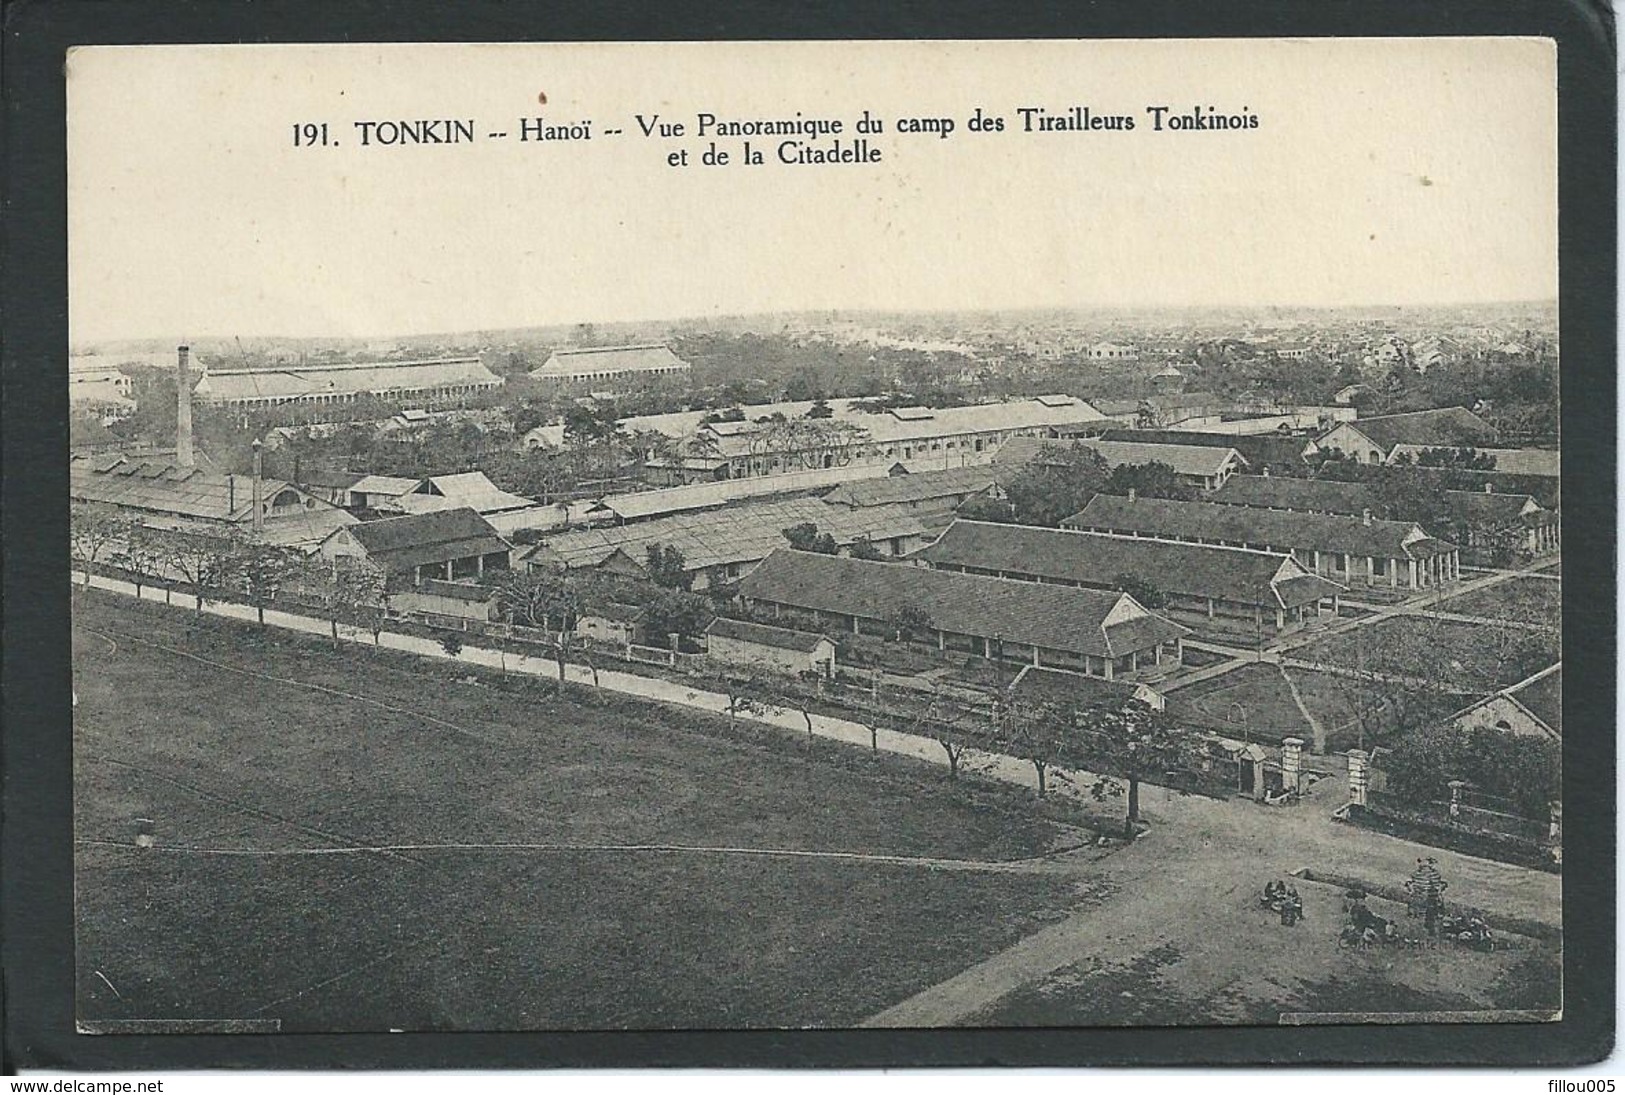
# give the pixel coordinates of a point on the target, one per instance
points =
(1292, 764)
(1455, 797)
(1359, 776)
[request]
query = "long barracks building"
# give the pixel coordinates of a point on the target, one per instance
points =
(435, 382)
(1227, 588)
(1353, 551)
(1090, 631)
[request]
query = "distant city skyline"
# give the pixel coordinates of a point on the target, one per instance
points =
(1385, 173)
(1110, 314)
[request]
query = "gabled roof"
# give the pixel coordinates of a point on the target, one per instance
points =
(1245, 525)
(1052, 617)
(780, 638)
(295, 381)
(383, 484)
(474, 490)
(1527, 461)
(664, 501)
(159, 486)
(885, 428)
(740, 533)
(1446, 427)
(1258, 449)
(1483, 508)
(1099, 561)
(1036, 685)
(1540, 697)
(1021, 451)
(912, 487)
(609, 359)
(427, 537)
(1291, 492)
(1199, 460)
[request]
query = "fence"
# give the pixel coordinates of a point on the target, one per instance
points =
(1464, 816)
(650, 655)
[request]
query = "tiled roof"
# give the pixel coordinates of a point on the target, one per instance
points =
(1542, 695)
(733, 534)
(1527, 461)
(922, 486)
(1184, 459)
(98, 393)
(1061, 555)
(1053, 617)
(1038, 685)
(470, 489)
(780, 638)
(885, 427)
(292, 382)
(1276, 529)
(1429, 546)
(159, 486)
(1446, 427)
(1483, 508)
(383, 484)
(165, 496)
(616, 359)
(1021, 451)
(1290, 492)
(1257, 449)
(643, 504)
(427, 537)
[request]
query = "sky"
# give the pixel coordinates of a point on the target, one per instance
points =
(1401, 171)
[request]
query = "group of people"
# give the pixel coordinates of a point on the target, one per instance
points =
(1283, 898)
(1366, 926)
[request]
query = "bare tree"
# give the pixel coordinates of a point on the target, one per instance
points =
(258, 570)
(1037, 733)
(144, 555)
(351, 591)
(542, 598)
(954, 727)
(92, 530)
(202, 561)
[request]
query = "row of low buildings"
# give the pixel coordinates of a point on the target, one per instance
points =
(778, 438)
(100, 381)
(1248, 591)
(1477, 518)
(1095, 632)
(1350, 550)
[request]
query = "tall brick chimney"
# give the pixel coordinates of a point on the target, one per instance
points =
(183, 407)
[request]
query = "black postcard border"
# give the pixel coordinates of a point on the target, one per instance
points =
(36, 883)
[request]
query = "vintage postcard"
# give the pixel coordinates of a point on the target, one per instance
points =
(802, 535)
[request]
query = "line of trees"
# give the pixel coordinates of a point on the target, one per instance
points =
(351, 592)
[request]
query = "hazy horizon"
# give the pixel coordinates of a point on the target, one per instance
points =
(1287, 311)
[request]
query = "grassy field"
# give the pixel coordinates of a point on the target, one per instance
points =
(1467, 657)
(1251, 701)
(297, 925)
(1526, 600)
(1254, 702)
